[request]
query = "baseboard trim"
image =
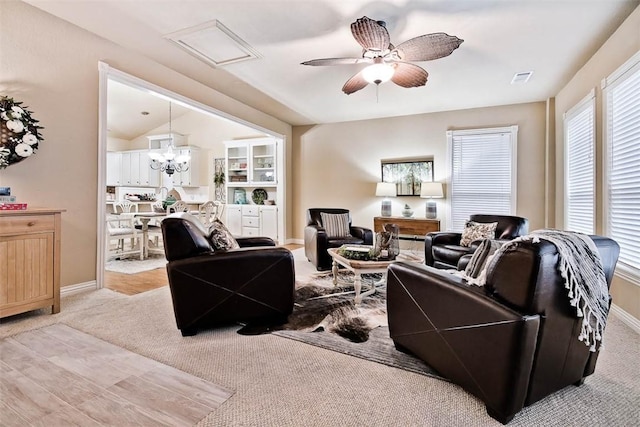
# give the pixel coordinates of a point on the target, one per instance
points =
(626, 318)
(295, 241)
(79, 287)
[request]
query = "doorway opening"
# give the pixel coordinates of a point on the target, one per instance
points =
(132, 113)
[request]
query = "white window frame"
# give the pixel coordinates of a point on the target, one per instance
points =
(628, 69)
(513, 134)
(587, 104)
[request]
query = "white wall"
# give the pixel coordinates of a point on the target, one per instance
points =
(52, 66)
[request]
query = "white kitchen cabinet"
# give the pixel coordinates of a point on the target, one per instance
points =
(250, 221)
(269, 222)
(114, 166)
(234, 219)
(136, 170)
(253, 221)
(161, 142)
(251, 162)
(190, 177)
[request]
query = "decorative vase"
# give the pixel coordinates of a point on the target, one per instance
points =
(407, 212)
(386, 246)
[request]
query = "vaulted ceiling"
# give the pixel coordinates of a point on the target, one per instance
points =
(553, 39)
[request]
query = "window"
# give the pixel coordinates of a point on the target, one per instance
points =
(482, 166)
(579, 134)
(622, 163)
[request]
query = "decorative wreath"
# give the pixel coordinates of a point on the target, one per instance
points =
(19, 132)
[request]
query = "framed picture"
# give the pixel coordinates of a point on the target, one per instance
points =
(408, 175)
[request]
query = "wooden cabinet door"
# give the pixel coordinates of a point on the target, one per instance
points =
(26, 265)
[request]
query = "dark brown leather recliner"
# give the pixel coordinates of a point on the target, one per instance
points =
(316, 241)
(443, 249)
(511, 342)
(211, 287)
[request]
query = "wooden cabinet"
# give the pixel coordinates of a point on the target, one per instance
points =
(29, 260)
(409, 227)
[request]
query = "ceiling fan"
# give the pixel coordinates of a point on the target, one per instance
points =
(389, 62)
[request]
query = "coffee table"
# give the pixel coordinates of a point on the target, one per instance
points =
(358, 268)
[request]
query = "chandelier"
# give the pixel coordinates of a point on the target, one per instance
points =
(168, 161)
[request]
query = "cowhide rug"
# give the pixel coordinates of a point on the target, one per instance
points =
(319, 306)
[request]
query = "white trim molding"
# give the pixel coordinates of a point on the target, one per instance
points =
(91, 285)
(626, 318)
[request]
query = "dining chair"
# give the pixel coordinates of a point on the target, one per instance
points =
(178, 206)
(122, 228)
(127, 206)
(210, 211)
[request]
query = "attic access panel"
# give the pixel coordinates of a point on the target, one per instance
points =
(408, 175)
(213, 43)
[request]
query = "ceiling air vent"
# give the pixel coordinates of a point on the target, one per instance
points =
(213, 43)
(521, 78)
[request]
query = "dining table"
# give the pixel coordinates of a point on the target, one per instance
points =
(145, 218)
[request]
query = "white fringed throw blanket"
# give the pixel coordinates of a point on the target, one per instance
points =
(581, 268)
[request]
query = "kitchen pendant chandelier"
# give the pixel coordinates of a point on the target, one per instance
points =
(168, 161)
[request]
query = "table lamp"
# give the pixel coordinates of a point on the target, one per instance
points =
(431, 190)
(386, 190)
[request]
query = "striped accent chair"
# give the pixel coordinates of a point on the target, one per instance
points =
(331, 228)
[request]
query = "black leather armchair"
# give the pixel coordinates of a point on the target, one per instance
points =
(443, 249)
(511, 342)
(210, 287)
(316, 241)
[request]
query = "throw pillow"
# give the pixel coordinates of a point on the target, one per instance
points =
(220, 237)
(477, 231)
(335, 225)
(480, 259)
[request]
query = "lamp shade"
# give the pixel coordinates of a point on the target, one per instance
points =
(431, 190)
(386, 189)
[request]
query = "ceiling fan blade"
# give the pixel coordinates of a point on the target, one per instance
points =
(428, 47)
(370, 34)
(409, 75)
(354, 84)
(337, 61)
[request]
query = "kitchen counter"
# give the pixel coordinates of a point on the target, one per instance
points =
(147, 206)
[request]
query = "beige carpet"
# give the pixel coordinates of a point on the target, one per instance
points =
(282, 382)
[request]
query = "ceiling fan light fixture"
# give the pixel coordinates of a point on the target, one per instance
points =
(378, 73)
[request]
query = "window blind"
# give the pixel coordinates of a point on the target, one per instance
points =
(482, 173)
(623, 165)
(580, 167)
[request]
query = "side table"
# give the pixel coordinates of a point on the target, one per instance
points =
(410, 228)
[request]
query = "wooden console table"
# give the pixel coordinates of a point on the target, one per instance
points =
(30, 253)
(414, 228)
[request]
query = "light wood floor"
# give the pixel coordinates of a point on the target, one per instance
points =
(131, 284)
(59, 376)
